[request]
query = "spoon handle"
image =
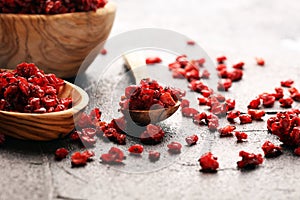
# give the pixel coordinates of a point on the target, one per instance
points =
(136, 63)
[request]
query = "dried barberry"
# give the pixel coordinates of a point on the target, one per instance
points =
(256, 114)
(61, 153)
(154, 156)
(174, 147)
(153, 60)
(240, 136)
(249, 160)
(221, 59)
(233, 115)
(227, 131)
(245, 119)
(114, 156)
(191, 140)
(136, 149)
(286, 102)
(78, 159)
(260, 61)
(271, 150)
(152, 135)
(208, 162)
(287, 83)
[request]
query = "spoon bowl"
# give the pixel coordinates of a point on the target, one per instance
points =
(47, 126)
(144, 117)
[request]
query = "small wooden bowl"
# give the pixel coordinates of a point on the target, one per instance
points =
(58, 44)
(48, 126)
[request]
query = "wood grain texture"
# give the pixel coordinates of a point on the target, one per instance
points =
(58, 44)
(48, 126)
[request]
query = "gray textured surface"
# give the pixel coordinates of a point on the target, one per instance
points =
(240, 29)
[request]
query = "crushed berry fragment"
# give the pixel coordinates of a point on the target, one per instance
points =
(232, 115)
(61, 153)
(260, 61)
(239, 65)
(136, 149)
(287, 83)
(268, 100)
(224, 84)
(174, 147)
(185, 103)
(114, 156)
(256, 114)
(153, 60)
(226, 131)
(191, 140)
(78, 159)
(221, 59)
(152, 135)
(208, 162)
(189, 112)
(245, 119)
(249, 160)
(154, 156)
(191, 42)
(103, 51)
(254, 104)
(286, 103)
(271, 150)
(241, 136)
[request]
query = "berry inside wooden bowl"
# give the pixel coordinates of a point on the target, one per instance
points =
(59, 43)
(46, 126)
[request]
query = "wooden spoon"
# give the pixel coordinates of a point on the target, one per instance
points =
(47, 126)
(133, 62)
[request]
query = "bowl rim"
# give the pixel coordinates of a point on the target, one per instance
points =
(110, 7)
(80, 106)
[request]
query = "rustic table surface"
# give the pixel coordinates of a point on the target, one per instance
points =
(241, 30)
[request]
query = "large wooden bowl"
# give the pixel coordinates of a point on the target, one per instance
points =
(56, 43)
(48, 126)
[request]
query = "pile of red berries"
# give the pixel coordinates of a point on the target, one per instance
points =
(149, 95)
(28, 89)
(50, 6)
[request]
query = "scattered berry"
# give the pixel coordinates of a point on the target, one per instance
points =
(271, 150)
(136, 149)
(249, 160)
(208, 162)
(174, 147)
(191, 140)
(61, 153)
(154, 156)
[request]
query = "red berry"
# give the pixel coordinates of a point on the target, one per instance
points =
(114, 156)
(189, 112)
(260, 61)
(174, 147)
(136, 149)
(154, 156)
(221, 67)
(191, 140)
(208, 162)
(232, 115)
(88, 154)
(245, 119)
(239, 65)
(230, 104)
(185, 103)
(78, 159)
(240, 136)
(153, 60)
(249, 160)
(202, 100)
(221, 59)
(254, 104)
(268, 100)
(224, 84)
(286, 103)
(191, 42)
(271, 150)
(103, 51)
(226, 131)
(287, 83)
(256, 114)
(152, 135)
(61, 153)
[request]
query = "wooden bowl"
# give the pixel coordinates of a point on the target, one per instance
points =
(48, 126)
(56, 43)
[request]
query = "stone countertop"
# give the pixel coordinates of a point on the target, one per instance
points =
(242, 30)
